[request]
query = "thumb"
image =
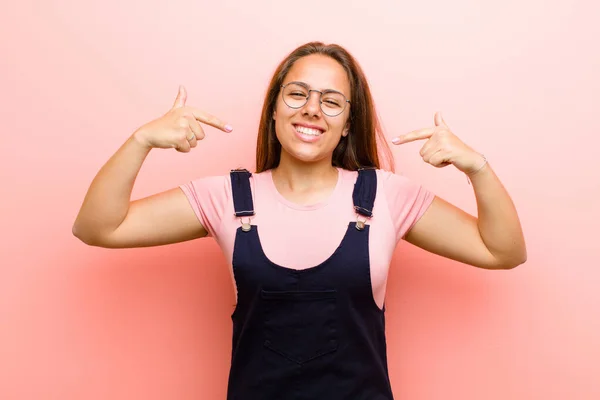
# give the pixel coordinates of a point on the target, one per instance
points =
(439, 121)
(181, 98)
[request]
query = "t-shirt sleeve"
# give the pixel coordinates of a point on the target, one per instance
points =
(208, 196)
(406, 200)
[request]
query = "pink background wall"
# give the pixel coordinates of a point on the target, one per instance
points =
(516, 80)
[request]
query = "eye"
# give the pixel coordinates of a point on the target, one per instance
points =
(333, 100)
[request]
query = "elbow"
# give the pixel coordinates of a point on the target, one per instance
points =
(79, 233)
(93, 235)
(511, 257)
(84, 235)
(513, 262)
(76, 231)
(511, 265)
(522, 257)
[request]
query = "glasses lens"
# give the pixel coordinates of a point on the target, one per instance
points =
(333, 103)
(295, 95)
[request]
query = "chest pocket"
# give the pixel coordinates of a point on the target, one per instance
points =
(300, 325)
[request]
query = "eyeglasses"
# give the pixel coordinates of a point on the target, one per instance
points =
(296, 94)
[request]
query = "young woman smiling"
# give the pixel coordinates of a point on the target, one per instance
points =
(309, 319)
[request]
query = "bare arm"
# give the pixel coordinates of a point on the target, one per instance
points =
(108, 218)
(494, 240)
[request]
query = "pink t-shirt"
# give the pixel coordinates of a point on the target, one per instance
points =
(303, 236)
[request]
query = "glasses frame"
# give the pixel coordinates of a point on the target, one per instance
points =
(304, 85)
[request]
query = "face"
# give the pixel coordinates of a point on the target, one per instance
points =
(307, 133)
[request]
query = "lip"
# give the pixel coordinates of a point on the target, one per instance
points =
(308, 126)
(308, 138)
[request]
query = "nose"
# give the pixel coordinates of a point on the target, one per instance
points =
(313, 104)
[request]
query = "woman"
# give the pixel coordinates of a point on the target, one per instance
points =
(309, 319)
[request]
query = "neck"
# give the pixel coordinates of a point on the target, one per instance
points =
(296, 175)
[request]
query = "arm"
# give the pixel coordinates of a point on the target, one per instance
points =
(494, 240)
(108, 218)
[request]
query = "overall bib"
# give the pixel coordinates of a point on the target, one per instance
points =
(308, 334)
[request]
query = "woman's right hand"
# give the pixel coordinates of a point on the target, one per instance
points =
(179, 128)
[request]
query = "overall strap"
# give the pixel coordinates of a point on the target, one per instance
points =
(242, 194)
(364, 193)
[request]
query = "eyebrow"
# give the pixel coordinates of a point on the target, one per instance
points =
(307, 86)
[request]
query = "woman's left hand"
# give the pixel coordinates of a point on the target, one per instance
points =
(443, 147)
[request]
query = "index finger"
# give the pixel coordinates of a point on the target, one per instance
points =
(210, 119)
(420, 134)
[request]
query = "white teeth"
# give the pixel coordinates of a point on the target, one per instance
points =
(308, 131)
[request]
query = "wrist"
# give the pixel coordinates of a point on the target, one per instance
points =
(139, 138)
(477, 167)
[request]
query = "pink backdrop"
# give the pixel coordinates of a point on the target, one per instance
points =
(516, 80)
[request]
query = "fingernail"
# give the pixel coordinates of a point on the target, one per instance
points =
(228, 128)
(396, 140)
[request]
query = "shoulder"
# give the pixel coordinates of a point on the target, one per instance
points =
(393, 180)
(222, 182)
(395, 185)
(382, 175)
(386, 180)
(407, 200)
(209, 185)
(403, 193)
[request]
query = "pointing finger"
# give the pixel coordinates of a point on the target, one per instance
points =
(210, 120)
(414, 135)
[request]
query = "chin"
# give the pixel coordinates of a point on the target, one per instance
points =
(304, 155)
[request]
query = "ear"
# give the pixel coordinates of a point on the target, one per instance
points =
(274, 114)
(346, 129)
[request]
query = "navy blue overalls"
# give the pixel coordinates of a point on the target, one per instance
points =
(308, 334)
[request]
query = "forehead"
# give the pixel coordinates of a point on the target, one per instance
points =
(319, 72)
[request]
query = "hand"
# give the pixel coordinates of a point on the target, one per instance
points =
(179, 128)
(443, 147)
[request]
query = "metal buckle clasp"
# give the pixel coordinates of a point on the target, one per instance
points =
(246, 226)
(360, 224)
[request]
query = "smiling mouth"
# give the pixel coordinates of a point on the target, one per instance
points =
(308, 131)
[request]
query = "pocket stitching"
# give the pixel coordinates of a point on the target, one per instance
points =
(332, 343)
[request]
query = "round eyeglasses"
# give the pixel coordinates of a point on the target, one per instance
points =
(296, 94)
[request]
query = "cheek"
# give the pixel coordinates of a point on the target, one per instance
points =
(338, 126)
(281, 110)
